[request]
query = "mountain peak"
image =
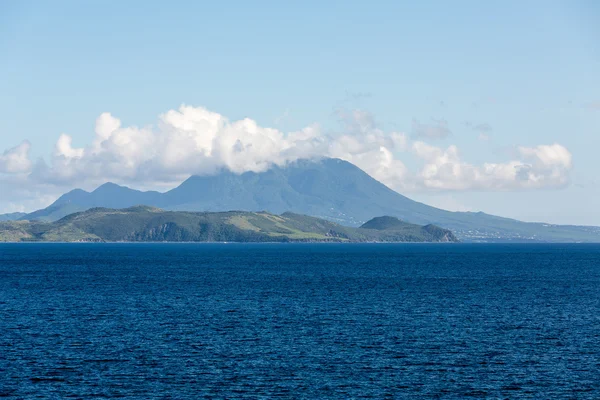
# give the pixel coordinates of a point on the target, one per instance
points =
(108, 186)
(74, 196)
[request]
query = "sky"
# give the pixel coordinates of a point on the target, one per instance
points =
(466, 105)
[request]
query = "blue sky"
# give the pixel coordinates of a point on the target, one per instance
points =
(487, 78)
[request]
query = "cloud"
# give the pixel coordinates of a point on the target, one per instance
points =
(369, 147)
(190, 140)
(194, 140)
(106, 124)
(437, 129)
(16, 160)
(65, 149)
(543, 166)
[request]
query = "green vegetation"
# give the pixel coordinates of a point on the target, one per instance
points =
(144, 224)
(385, 223)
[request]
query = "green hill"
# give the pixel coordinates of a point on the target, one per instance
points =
(384, 223)
(148, 224)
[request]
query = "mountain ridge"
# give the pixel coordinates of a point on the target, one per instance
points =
(12, 216)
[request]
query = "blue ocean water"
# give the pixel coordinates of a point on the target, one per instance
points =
(299, 321)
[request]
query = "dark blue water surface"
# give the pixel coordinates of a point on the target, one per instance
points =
(299, 321)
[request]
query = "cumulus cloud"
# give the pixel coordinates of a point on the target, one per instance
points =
(194, 140)
(437, 129)
(65, 149)
(16, 160)
(536, 167)
(190, 140)
(369, 147)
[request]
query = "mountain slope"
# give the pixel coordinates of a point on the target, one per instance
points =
(330, 188)
(11, 216)
(141, 224)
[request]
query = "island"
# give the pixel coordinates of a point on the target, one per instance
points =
(150, 224)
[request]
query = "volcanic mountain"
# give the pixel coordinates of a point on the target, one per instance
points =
(331, 189)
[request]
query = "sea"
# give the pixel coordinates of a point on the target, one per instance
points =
(299, 321)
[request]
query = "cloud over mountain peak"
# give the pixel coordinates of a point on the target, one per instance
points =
(194, 140)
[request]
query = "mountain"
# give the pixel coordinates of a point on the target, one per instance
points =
(142, 224)
(108, 195)
(330, 188)
(11, 216)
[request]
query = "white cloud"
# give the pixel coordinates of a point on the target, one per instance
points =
(194, 140)
(106, 124)
(537, 167)
(65, 149)
(374, 153)
(16, 160)
(553, 155)
(190, 140)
